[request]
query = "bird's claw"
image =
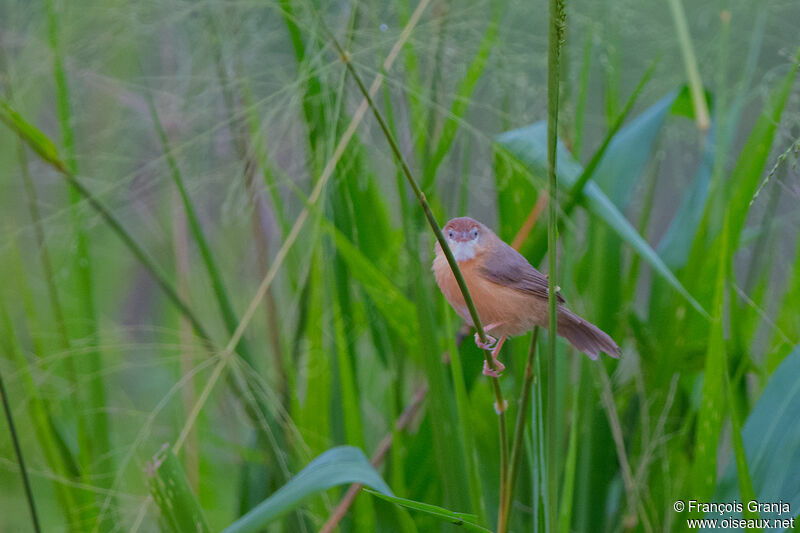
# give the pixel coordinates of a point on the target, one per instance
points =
(497, 407)
(493, 373)
(488, 345)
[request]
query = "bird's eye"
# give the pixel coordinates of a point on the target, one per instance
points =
(474, 233)
(450, 234)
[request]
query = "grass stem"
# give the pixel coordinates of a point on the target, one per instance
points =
(20, 460)
(690, 61)
(519, 430)
(437, 230)
(556, 30)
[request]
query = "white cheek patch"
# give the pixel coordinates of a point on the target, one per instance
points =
(462, 251)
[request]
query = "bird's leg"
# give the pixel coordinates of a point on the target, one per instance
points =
(490, 341)
(500, 366)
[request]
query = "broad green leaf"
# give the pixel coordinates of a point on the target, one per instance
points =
(458, 519)
(180, 511)
(771, 437)
(337, 466)
(528, 145)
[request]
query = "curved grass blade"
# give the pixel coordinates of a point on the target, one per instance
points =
(337, 466)
(459, 519)
(18, 452)
(180, 511)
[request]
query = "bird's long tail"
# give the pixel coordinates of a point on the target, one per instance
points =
(585, 336)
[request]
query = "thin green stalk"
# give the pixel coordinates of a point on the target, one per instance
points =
(433, 120)
(583, 92)
(93, 427)
(746, 489)
(39, 143)
(519, 430)
(466, 436)
(42, 146)
(437, 230)
(690, 62)
(220, 292)
(462, 99)
(41, 420)
(577, 188)
(20, 460)
(463, 193)
(576, 191)
(556, 31)
(36, 217)
(565, 511)
(641, 227)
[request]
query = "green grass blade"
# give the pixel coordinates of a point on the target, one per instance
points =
(746, 174)
(709, 419)
(583, 90)
(40, 419)
(34, 138)
(464, 426)
(742, 469)
(619, 160)
(18, 453)
(93, 422)
(467, 521)
(690, 62)
(556, 28)
(220, 292)
(398, 310)
(462, 97)
(42, 145)
(788, 321)
(337, 466)
(169, 487)
(567, 491)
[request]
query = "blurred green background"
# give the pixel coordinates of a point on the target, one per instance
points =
(207, 129)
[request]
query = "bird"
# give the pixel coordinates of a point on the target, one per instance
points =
(510, 295)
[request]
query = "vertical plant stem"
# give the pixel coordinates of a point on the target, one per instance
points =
(180, 240)
(93, 428)
(20, 460)
(583, 91)
(690, 61)
(519, 432)
(38, 228)
(565, 510)
(500, 404)
(220, 292)
(466, 435)
(557, 23)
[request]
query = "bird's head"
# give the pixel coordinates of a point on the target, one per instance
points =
(465, 236)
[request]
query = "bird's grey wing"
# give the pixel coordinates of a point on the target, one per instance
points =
(509, 268)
